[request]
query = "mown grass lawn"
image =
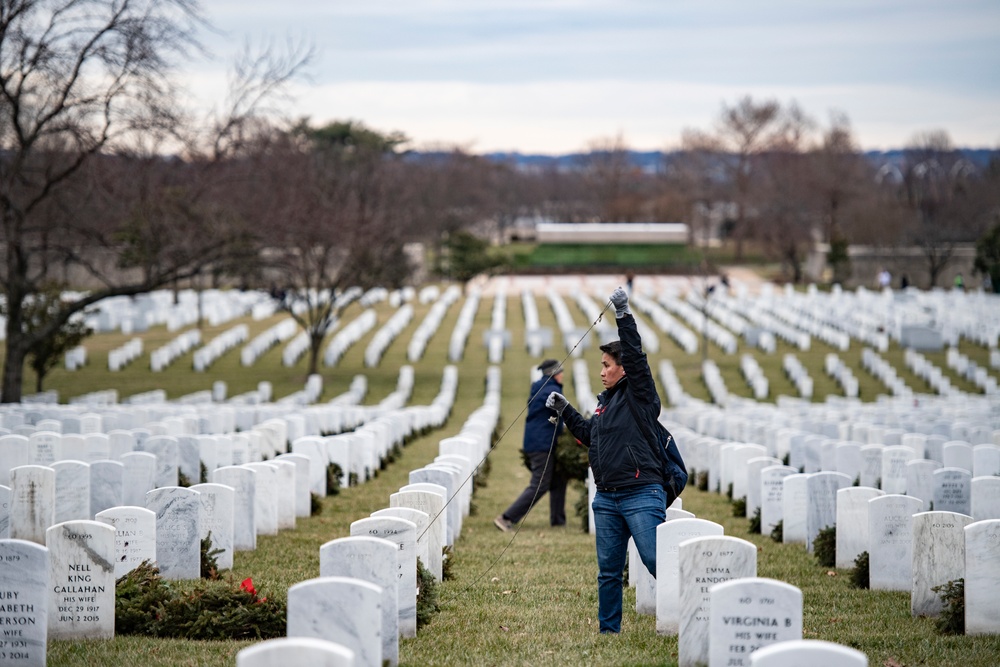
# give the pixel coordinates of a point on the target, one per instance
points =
(537, 603)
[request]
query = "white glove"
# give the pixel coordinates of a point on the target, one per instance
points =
(557, 402)
(619, 298)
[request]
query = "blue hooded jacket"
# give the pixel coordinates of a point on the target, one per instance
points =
(537, 429)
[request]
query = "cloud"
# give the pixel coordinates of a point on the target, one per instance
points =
(550, 76)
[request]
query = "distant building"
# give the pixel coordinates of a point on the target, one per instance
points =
(674, 233)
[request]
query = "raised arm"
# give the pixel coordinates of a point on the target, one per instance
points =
(640, 376)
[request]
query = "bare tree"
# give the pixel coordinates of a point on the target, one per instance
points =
(743, 132)
(790, 218)
(81, 80)
(841, 174)
(613, 180)
(937, 187)
(331, 219)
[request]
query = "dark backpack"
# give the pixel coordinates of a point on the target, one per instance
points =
(672, 466)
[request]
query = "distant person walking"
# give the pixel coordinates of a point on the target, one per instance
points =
(959, 282)
(539, 446)
(884, 278)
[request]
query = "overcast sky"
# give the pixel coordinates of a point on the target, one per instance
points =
(551, 76)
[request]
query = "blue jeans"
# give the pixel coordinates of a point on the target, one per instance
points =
(631, 512)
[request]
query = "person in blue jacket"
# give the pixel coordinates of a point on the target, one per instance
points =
(631, 498)
(539, 446)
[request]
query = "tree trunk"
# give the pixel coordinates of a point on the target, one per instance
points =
(315, 343)
(13, 367)
(17, 344)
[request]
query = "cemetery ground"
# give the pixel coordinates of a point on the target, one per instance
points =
(537, 602)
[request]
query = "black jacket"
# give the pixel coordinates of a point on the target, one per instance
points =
(620, 456)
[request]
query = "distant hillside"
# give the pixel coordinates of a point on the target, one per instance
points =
(652, 161)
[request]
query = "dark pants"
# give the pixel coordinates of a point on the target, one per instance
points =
(551, 482)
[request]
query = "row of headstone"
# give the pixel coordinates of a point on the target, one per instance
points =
(365, 596)
(910, 548)
(167, 524)
(63, 588)
(431, 323)
(707, 593)
(379, 342)
(463, 326)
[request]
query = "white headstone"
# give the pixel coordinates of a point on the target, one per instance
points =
(5, 513)
(81, 580)
(810, 653)
(705, 561)
(953, 490)
(216, 517)
(72, 446)
(14, 453)
(189, 458)
(821, 502)
(243, 481)
(982, 578)
(24, 585)
(370, 559)
(848, 456)
(644, 582)
(314, 448)
(98, 447)
(342, 610)
(295, 651)
(419, 519)
(404, 534)
(894, 460)
(303, 499)
(338, 452)
(138, 477)
(166, 449)
(178, 531)
(135, 536)
(986, 461)
(852, 523)
(32, 502)
(45, 447)
(920, 481)
(285, 492)
(755, 466)
(938, 557)
(266, 498)
(669, 535)
(452, 509)
(433, 505)
(956, 454)
(794, 509)
(749, 614)
(985, 498)
(107, 485)
(871, 466)
(72, 491)
(772, 485)
(890, 537)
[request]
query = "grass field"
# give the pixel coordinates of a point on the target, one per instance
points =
(537, 603)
